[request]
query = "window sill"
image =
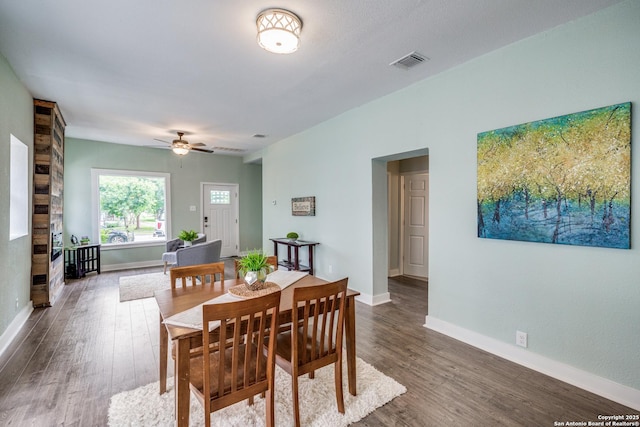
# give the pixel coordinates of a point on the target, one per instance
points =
(133, 245)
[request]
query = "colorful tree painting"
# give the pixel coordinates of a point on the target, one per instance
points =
(564, 180)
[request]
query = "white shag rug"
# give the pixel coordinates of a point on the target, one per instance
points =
(144, 406)
(143, 285)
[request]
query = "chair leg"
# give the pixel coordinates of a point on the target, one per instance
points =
(338, 380)
(296, 403)
(165, 268)
(271, 420)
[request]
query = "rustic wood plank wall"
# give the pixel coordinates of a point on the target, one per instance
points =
(47, 275)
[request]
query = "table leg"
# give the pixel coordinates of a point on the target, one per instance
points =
(350, 337)
(182, 383)
(296, 263)
(164, 343)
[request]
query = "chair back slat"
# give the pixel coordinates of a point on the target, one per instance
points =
(305, 332)
(222, 358)
(247, 354)
(236, 359)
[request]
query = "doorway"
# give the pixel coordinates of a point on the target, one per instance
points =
(387, 219)
(408, 217)
(220, 215)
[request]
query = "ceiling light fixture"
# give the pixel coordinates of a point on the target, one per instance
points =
(180, 148)
(278, 30)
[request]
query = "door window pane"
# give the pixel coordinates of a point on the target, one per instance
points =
(220, 197)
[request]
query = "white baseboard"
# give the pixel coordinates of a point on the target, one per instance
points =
(374, 299)
(394, 272)
(366, 298)
(601, 386)
(14, 327)
(129, 265)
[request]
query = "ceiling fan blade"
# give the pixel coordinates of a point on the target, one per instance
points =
(166, 142)
(203, 150)
(197, 144)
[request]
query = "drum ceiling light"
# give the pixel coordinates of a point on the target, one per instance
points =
(278, 30)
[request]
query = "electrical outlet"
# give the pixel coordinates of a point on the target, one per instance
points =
(192, 208)
(17, 303)
(330, 268)
(521, 339)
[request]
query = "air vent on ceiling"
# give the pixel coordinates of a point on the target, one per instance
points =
(410, 60)
(235, 150)
(259, 135)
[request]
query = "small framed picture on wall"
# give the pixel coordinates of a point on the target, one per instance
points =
(303, 206)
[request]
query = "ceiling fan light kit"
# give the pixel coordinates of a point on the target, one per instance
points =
(180, 149)
(182, 146)
(279, 30)
(179, 146)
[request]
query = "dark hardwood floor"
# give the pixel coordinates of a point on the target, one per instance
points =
(71, 358)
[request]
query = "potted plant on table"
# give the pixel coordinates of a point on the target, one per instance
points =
(254, 268)
(188, 237)
(293, 236)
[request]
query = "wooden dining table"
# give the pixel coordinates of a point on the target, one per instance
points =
(173, 301)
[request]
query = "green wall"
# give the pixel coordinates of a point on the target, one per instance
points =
(16, 117)
(579, 305)
(186, 175)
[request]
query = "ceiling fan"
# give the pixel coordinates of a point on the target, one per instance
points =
(182, 146)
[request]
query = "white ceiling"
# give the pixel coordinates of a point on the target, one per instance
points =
(128, 72)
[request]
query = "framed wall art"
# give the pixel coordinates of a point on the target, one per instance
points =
(303, 206)
(563, 180)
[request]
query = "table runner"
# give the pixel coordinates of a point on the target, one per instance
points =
(192, 318)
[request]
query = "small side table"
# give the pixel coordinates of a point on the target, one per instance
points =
(80, 260)
(293, 263)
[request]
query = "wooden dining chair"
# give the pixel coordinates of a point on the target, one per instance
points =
(317, 341)
(194, 275)
(271, 260)
(239, 371)
(201, 273)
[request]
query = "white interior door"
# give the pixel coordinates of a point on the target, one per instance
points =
(416, 225)
(220, 216)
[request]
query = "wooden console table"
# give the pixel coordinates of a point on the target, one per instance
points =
(80, 260)
(293, 263)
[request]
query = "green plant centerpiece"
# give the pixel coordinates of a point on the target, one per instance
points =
(188, 237)
(253, 267)
(293, 236)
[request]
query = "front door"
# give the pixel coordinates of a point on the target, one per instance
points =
(416, 225)
(220, 216)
